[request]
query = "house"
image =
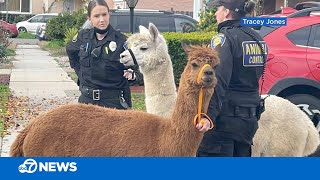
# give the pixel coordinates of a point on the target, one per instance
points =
(39, 6)
(58, 6)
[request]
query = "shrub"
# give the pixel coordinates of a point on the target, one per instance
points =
(4, 43)
(70, 34)
(207, 20)
(57, 26)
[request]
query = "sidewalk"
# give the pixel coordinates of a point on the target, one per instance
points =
(39, 84)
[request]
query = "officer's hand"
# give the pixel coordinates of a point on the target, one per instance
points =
(129, 74)
(203, 127)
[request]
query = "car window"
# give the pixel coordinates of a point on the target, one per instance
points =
(122, 23)
(164, 24)
(265, 30)
(37, 19)
(46, 18)
(184, 25)
(300, 36)
(316, 42)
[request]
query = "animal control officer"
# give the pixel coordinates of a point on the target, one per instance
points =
(94, 54)
(235, 105)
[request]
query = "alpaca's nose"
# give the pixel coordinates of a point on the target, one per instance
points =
(122, 56)
(208, 72)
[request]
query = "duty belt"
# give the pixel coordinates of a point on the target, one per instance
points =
(239, 111)
(98, 94)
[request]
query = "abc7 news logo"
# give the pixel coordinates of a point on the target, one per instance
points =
(29, 166)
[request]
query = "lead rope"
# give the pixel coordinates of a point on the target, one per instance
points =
(197, 117)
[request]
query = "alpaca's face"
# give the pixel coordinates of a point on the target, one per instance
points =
(197, 58)
(149, 49)
(142, 48)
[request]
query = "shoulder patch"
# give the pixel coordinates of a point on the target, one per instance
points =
(252, 54)
(218, 39)
(74, 39)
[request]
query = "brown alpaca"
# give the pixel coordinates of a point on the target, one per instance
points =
(88, 130)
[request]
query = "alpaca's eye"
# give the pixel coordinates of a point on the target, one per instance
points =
(143, 49)
(194, 65)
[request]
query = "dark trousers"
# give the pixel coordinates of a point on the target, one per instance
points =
(231, 138)
(226, 147)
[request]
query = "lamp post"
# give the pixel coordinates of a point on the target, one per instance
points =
(7, 7)
(131, 4)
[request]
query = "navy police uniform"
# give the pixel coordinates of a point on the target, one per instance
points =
(236, 99)
(100, 73)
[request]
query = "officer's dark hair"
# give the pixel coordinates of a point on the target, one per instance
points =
(94, 3)
(247, 9)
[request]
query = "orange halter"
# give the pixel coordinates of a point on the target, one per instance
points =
(197, 117)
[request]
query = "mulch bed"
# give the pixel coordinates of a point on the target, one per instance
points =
(137, 89)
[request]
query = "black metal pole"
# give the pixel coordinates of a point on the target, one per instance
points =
(7, 6)
(131, 20)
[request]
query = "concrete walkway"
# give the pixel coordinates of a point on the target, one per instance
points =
(39, 80)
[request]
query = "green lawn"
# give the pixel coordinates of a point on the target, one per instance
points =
(56, 48)
(26, 36)
(4, 96)
(138, 101)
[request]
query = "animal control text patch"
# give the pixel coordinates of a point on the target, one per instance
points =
(252, 54)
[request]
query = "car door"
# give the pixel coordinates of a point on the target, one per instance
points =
(294, 55)
(34, 23)
(184, 25)
(162, 22)
(313, 52)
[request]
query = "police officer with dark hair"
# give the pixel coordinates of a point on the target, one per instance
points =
(95, 56)
(235, 105)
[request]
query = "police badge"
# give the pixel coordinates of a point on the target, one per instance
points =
(218, 39)
(112, 46)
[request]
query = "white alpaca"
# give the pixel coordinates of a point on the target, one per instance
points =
(284, 130)
(160, 89)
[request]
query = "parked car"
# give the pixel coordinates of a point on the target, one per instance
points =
(293, 66)
(11, 29)
(165, 21)
(34, 22)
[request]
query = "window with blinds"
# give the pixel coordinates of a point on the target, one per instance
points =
(16, 6)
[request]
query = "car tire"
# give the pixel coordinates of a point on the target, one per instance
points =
(22, 30)
(308, 104)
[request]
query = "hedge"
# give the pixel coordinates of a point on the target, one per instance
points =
(57, 26)
(175, 42)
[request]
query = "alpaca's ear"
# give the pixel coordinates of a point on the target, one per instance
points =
(143, 30)
(153, 31)
(186, 48)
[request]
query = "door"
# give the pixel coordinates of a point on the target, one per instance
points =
(34, 23)
(313, 52)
